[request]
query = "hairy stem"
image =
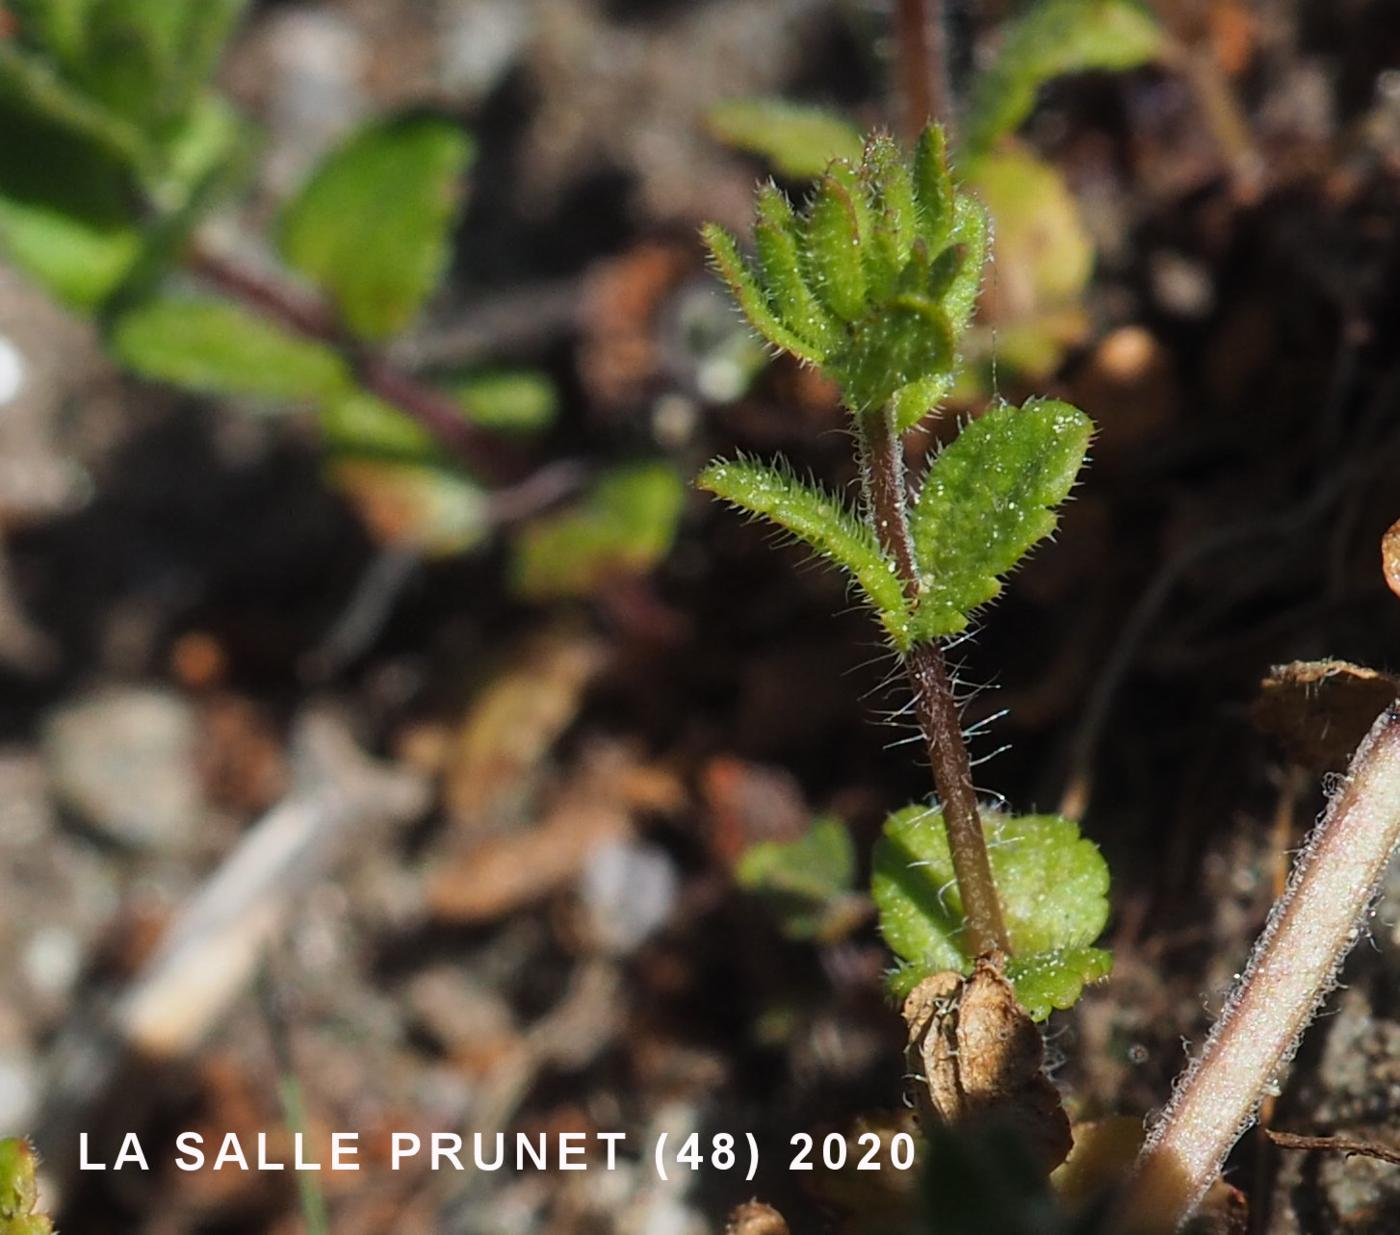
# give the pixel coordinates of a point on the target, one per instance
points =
(921, 39)
(309, 317)
(882, 472)
(1294, 965)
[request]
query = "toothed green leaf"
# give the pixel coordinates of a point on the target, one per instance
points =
(894, 216)
(1053, 887)
(987, 499)
(19, 1194)
(372, 225)
(799, 141)
(820, 521)
(753, 300)
(216, 347)
(914, 401)
(909, 340)
(1053, 38)
(933, 188)
(968, 231)
(807, 882)
(837, 271)
(779, 253)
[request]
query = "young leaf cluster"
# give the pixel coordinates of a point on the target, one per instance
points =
(19, 1194)
(874, 282)
(1053, 886)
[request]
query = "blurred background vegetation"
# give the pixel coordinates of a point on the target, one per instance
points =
(355, 356)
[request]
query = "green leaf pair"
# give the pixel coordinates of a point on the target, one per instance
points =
(1053, 886)
(873, 281)
(985, 502)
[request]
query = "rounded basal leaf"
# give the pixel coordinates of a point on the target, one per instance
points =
(798, 141)
(1054, 980)
(1053, 887)
(372, 225)
(215, 347)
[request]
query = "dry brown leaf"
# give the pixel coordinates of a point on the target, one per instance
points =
(1390, 557)
(1319, 710)
(981, 1055)
(519, 867)
(513, 723)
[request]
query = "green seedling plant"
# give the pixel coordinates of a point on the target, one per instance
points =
(119, 151)
(874, 282)
(1045, 252)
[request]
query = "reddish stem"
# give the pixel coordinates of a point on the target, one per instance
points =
(309, 316)
(883, 477)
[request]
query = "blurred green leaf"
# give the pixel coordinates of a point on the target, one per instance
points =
(19, 1193)
(987, 499)
(67, 203)
(799, 141)
(1053, 38)
(806, 882)
(509, 400)
(357, 424)
(31, 85)
(372, 225)
(624, 525)
(1044, 252)
(215, 347)
(1053, 886)
(428, 507)
(147, 60)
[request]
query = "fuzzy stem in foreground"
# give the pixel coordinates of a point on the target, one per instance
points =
(882, 473)
(1294, 966)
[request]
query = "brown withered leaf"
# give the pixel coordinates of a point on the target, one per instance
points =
(1390, 557)
(755, 1218)
(982, 1057)
(512, 724)
(1319, 710)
